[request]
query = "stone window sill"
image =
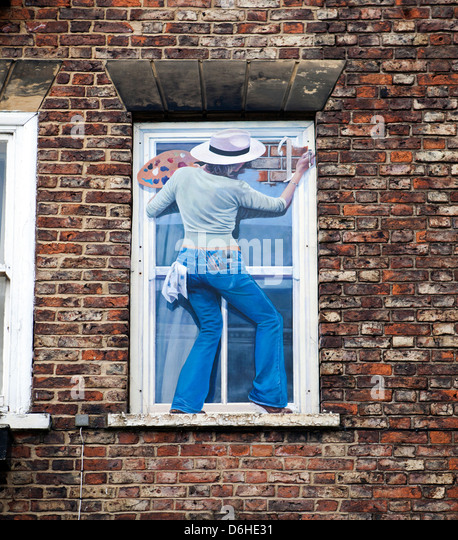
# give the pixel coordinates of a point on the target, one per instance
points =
(30, 421)
(233, 419)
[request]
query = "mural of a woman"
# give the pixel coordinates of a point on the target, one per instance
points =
(210, 266)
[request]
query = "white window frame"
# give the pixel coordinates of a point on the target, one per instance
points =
(305, 291)
(20, 130)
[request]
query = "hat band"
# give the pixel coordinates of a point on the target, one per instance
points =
(229, 152)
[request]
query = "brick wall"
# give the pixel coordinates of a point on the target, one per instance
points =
(388, 215)
(353, 474)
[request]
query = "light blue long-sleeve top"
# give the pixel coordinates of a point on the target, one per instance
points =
(208, 204)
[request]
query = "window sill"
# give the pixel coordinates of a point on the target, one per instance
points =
(25, 421)
(212, 420)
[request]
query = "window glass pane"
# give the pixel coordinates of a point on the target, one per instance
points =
(176, 331)
(265, 240)
(2, 199)
(169, 227)
(241, 341)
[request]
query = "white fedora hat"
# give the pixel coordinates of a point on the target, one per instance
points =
(229, 147)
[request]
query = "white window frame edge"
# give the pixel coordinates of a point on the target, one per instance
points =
(21, 189)
(305, 229)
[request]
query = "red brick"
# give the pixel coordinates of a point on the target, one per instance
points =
(60, 27)
(387, 222)
(397, 493)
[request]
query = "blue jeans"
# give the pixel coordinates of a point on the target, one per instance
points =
(242, 292)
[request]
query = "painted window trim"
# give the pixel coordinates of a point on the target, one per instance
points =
(309, 403)
(20, 223)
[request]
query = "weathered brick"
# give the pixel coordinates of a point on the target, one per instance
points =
(388, 267)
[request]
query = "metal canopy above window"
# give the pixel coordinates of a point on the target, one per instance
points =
(25, 83)
(192, 87)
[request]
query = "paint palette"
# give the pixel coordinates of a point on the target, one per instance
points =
(157, 171)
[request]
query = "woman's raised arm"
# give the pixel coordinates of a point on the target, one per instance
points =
(303, 164)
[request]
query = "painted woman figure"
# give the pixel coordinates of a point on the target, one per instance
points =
(210, 265)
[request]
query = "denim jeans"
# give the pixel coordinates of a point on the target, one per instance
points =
(243, 293)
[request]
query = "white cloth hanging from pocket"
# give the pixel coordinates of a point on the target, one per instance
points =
(175, 282)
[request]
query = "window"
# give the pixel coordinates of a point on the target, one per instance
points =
(280, 253)
(18, 154)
